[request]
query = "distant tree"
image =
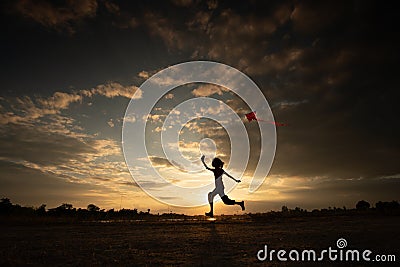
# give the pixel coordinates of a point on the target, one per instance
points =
(387, 206)
(148, 211)
(65, 206)
(380, 206)
(362, 205)
(5, 205)
(41, 210)
(5, 201)
(395, 205)
(92, 208)
(285, 209)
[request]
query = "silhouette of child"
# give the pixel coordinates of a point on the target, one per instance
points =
(219, 185)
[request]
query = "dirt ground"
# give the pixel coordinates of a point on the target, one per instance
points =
(192, 243)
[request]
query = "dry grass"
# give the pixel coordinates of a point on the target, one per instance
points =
(220, 243)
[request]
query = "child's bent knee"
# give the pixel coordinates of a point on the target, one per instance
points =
(227, 200)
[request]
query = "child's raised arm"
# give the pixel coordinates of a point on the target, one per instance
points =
(205, 165)
(227, 174)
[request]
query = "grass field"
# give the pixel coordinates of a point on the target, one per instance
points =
(188, 243)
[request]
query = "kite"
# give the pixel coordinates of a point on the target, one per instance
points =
(252, 117)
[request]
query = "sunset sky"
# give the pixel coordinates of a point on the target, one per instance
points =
(327, 68)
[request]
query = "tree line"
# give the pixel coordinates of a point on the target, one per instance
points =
(68, 210)
(94, 212)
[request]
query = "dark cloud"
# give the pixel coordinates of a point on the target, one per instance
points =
(222, 34)
(184, 3)
(60, 15)
(345, 129)
(311, 17)
(44, 148)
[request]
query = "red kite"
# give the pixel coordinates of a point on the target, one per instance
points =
(252, 117)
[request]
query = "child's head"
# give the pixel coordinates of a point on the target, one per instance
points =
(217, 163)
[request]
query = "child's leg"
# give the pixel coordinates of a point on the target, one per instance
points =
(211, 196)
(228, 201)
(211, 213)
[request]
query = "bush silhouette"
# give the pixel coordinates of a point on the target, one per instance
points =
(92, 208)
(362, 205)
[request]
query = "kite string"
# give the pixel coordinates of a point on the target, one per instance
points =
(272, 122)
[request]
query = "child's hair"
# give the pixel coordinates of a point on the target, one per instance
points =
(217, 163)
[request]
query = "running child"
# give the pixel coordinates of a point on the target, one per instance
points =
(219, 185)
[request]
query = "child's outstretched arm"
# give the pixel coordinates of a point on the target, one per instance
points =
(205, 165)
(236, 180)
